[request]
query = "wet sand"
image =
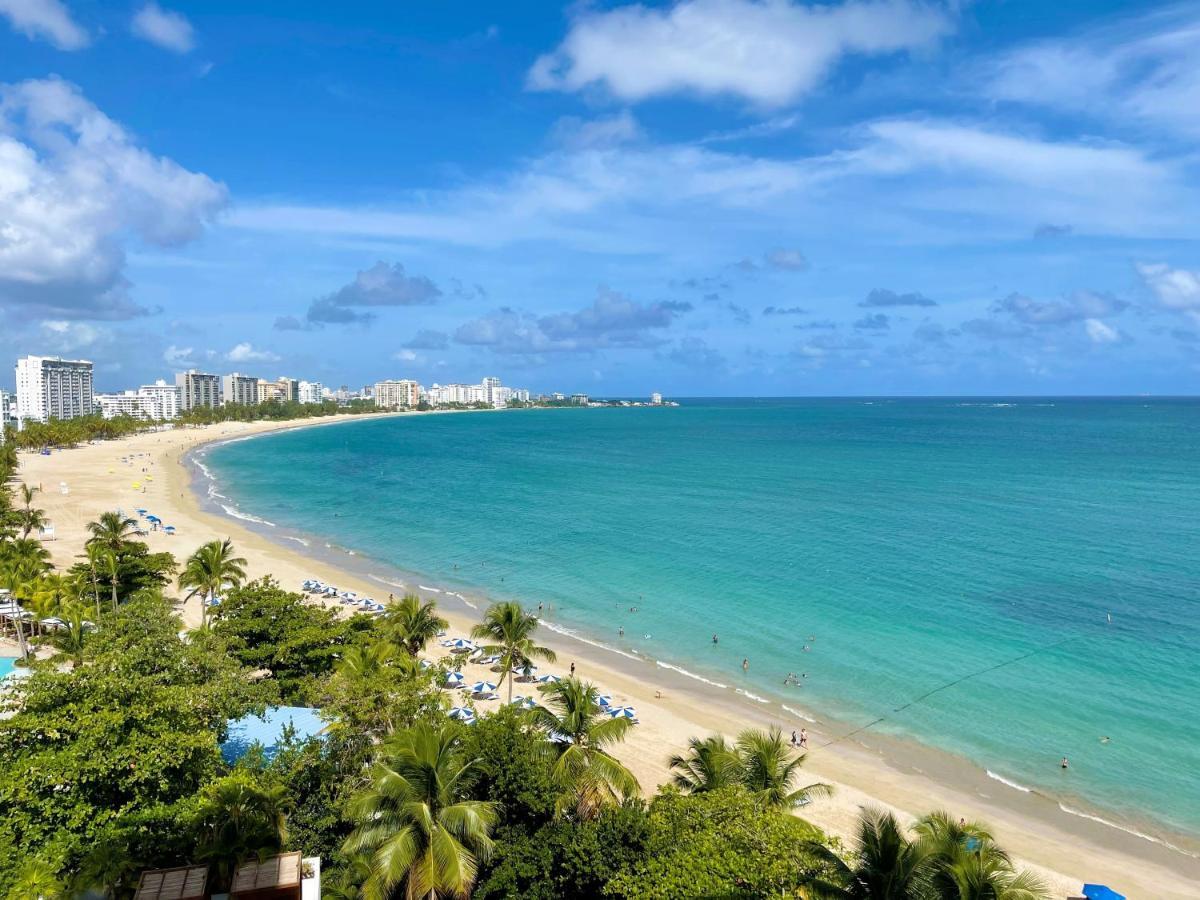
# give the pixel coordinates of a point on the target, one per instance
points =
(866, 771)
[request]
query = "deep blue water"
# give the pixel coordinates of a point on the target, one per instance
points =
(918, 541)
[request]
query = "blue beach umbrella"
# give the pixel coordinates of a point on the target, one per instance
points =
(153, 519)
(459, 645)
(604, 700)
(454, 679)
(623, 712)
(482, 687)
(1101, 892)
(463, 714)
(549, 679)
(524, 702)
(140, 512)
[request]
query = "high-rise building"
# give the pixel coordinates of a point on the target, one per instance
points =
(53, 388)
(160, 400)
(198, 389)
(397, 394)
(266, 390)
(8, 413)
(311, 392)
(289, 389)
(239, 390)
(126, 403)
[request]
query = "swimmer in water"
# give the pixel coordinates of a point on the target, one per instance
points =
(1064, 764)
(621, 631)
(745, 665)
(715, 639)
(1105, 739)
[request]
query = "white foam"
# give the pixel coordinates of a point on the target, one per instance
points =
(750, 696)
(559, 629)
(301, 541)
(796, 712)
(1146, 837)
(682, 671)
(431, 590)
(1011, 784)
(398, 584)
(245, 517)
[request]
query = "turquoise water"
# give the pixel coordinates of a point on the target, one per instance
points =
(7, 664)
(918, 542)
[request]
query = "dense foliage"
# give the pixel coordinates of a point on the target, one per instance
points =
(111, 760)
(272, 411)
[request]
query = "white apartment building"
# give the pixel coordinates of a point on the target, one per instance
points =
(397, 394)
(239, 390)
(53, 388)
(198, 389)
(445, 394)
(160, 400)
(289, 389)
(311, 392)
(126, 403)
(8, 413)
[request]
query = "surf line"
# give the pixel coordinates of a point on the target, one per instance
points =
(949, 684)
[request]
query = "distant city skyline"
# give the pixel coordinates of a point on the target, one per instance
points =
(700, 198)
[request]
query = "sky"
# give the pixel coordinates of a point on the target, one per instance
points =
(706, 197)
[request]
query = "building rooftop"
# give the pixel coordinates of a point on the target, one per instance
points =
(274, 872)
(173, 884)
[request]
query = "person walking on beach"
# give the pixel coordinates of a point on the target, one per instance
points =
(795, 740)
(572, 670)
(803, 738)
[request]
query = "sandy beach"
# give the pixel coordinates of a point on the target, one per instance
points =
(81, 483)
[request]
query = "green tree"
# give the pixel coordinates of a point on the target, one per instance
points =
(588, 777)
(28, 517)
(508, 629)
(72, 639)
(710, 764)
(412, 623)
(112, 531)
(967, 864)
(885, 864)
(769, 769)
(209, 571)
(36, 879)
(414, 822)
(239, 817)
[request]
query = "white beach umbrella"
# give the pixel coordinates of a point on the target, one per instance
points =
(623, 712)
(462, 713)
(604, 700)
(482, 687)
(549, 679)
(460, 645)
(455, 679)
(524, 702)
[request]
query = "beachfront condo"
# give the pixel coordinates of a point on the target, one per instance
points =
(53, 388)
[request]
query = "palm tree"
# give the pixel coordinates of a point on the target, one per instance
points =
(28, 518)
(886, 865)
(112, 530)
(710, 764)
(967, 864)
(769, 769)
(108, 865)
(36, 880)
(588, 777)
(210, 570)
(110, 564)
(72, 638)
(22, 565)
(510, 630)
(412, 821)
(413, 623)
(240, 818)
(95, 560)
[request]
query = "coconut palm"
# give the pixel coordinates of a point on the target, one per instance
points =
(364, 662)
(968, 865)
(587, 775)
(112, 531)
(72, 638)
(238, 818)
(28, 518)
(23, 563)
(210, 570)
(108, 866)
(509, 631)
(412, 623)
(94, 554)
(709, 764)
(885, 864)
(413, 822)
(768, 768)
(110, 568)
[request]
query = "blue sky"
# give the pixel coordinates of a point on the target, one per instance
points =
(708, 197)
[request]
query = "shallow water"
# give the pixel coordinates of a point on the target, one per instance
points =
(955, 562)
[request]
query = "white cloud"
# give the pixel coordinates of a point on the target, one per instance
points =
(767, 51)
(245, 352)
(1101, 332)
(179, 357)
(406, 356)
(67, 337)
(74, 188)
(1138, 70)
(169, 30)
(48, 19)
(1176, 289)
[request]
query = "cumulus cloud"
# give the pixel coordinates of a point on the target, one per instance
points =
(612, 320)
(1175, 289)
(583, 134)
(290, 323)
(783, 311)
(169, 30)
(1100, 332)
(873, 322)
(996, 329)
(379, 286)
(1076, 307)
(245, 352)
(721, 47)
(74, 187)
(884, 297)
(47, 20)
(429, 340)
(790, 260)
(816, 325)
(62, 336)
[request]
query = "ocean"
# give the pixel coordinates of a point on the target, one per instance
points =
(1007, 580)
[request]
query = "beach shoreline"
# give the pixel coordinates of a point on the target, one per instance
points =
(911, 779)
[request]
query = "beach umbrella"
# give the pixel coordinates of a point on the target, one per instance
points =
(153, 519)
(549, 679)
(482, 687)
(605, 701)
(425, 664)
(1101, 892)
(623, 712)
(140, 512)
(524, 702)
(459, 645)
(488, 660)
(454, 679)
(462, 713)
